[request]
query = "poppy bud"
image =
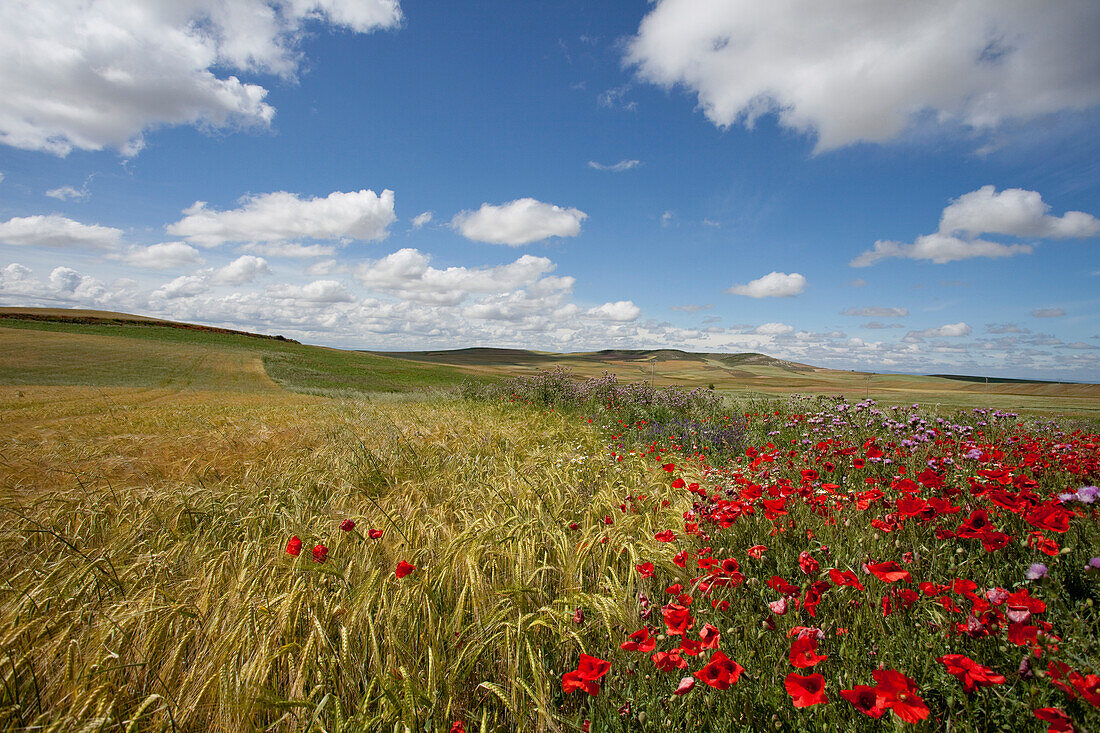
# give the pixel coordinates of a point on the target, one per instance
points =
(578, 616)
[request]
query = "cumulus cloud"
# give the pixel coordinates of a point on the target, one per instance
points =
(280, 216)
(164, 256)
(622, 165)
(773, 329)
(1013, 212)
(518, 222)
(876, 311)
(244, 269)
(950, 330)
(974, 62)
(620, 310)
(1047, 313)
(94, 75)
(290, 250)
(318, 292)
(58, 232)
(421, 219)
(184, 286)
(772, 285)
(408, 274)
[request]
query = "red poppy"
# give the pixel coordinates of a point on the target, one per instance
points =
(640, 641)
(668, 661)
(666, 536)
(720, 672)
(680, 559)
(645, 569)
(757, 551)
(970, 673)
(585, 676)
(320, 553)
(458, 727)
(781, 586)
(845, 577)
(670, 467)
(1059, 721)
(403, 569)
(347, 525)
(806, 691)
(899, 693)
(709, 637)
(804, 654)
(294, 546)
(890, 572)
(374, 534)
(807, 563)
(677, 618)
(865, 700)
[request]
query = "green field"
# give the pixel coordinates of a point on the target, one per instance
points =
(151, 476)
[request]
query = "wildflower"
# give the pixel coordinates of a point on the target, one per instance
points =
(686, 685)
(807, 563)
(806, 691)
(970, 673)
(347, 525)
(294, 546)
(645, 569)
(640, 641)
(585, 676)
(666, 536)
(899, 693)
(845, 577)
(677, 618)
(374, 534)
(403, 569)
(578, 615)
(865, 700)
(804, 654)
(720, 672)
(1058, 720)
(1094, 564)
(1036, 571)
(757, 551)
(668, 661)
(320, 553)
(458, 727)
(889, 571)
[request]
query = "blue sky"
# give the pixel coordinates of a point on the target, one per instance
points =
(917, 192)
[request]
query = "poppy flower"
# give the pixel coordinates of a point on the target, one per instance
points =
(458, 727)
(668, 661)
(686, 685)
(374, 534)
(572, 525)
(585, 676)
(678, 484)
(804, 654)
(320, 553)
(1058, 721)
(403, 569)
(865, 700)
(666, 536)
(757, 551)
(720, 672)
(681, 559)
(640, 641)
(970, 673)
(807, 563)
(677, 618)
(890, 572)
(578, 615)
(347, 525)
(806, 691)
(845, 577)
(294, 546)
(899, 693)
(645, 569)
(709, 637)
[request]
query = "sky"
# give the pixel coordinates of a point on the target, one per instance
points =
(885, 186)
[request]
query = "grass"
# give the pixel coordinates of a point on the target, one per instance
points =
(144, 521)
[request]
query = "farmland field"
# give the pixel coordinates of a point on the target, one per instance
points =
(211, 531)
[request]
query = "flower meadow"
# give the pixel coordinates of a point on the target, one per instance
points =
(556, 554)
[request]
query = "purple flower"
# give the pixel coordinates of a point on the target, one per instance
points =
(1087, 494)
(1094, 564)
(1036, 571)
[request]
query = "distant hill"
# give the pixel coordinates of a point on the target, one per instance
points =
(66, 315)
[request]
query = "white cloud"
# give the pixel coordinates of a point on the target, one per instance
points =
(622, 165)
(950, 330)
(290, 250)
(620, 310)
(667, 218)
(244, 269)
(1015, 212)
(518, 222)
(864, 70)
(279, 216)
(94, 75)
(1047, 313)
(407, 274)
(773, 329)
(317, 292)
(184, 286)
(65, 193)
(421, 219)
(692, 308)
(164, 256)
(876, 311)
(58, 232)
(319, 269)
(772, 285)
